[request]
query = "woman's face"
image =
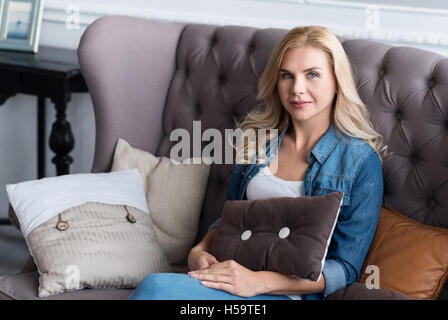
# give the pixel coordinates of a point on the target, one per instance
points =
(306, 85)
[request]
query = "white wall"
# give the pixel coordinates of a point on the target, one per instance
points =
(400, 22)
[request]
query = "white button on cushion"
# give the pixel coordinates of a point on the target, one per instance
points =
(246, 235)
(283, 233)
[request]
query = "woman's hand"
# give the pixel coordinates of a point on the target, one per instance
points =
(200, 259)
(232, 277)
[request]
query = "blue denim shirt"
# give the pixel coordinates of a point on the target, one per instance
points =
(336, 163)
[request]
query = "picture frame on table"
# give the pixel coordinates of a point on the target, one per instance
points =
(20, 24)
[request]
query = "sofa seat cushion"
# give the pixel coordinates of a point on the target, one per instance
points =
(24, 286)
(358, 291)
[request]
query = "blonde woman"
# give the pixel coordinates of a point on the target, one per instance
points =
(326, 144)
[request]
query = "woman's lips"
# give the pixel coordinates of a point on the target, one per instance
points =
(296, 104)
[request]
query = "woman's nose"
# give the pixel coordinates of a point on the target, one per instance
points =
(299, 87)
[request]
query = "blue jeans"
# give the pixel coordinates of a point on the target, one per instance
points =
(179, 286)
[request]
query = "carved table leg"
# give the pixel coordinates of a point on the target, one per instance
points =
(62, 141)
(41, 125)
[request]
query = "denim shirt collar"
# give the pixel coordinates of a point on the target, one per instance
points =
(323, 147)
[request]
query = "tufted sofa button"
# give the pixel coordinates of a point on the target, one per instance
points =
(415, 159)
(431, 83)
(283, 233)
(399, 115)
(187, 72)
(214, 41)
(432, 203)
(222, 78)
(251, 48)
(246, 235)
(382, 72)
(198, 108)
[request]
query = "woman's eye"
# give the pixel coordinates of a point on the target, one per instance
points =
(286, 76)
(313, 75)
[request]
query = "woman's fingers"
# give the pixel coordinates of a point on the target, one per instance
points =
(211, 277)
(219, 285)
(219, 272)
(211, 270)
(229, 276)
(203, 264)
(213, 260)
(206, 260)
(229, 264)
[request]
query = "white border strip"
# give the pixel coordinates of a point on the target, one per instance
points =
(55, 12)
(362, 5)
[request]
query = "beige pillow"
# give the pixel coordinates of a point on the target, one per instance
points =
(175, 192)
(96, 246)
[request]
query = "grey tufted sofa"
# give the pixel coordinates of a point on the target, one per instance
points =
(147, 78)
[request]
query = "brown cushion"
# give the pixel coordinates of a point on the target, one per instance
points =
(412, 257)
(252, 232)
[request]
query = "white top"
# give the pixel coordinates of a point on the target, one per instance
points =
(265, 185)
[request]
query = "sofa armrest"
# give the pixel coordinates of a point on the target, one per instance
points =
(127, 64)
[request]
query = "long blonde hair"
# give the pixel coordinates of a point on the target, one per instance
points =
(350, 115)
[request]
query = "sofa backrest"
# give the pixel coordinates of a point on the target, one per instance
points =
(209, 73)
(406, 92)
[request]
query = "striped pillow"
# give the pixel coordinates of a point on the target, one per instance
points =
(95, 245)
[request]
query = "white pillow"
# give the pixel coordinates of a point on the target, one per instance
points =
(37, 201)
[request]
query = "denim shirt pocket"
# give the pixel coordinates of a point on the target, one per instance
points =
(324, 184)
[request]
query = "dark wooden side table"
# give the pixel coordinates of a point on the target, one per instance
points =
(51, 73)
